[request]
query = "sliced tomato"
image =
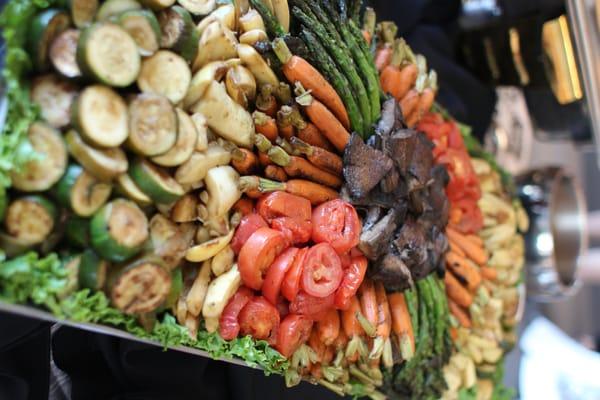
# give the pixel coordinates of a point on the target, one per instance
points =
(257, 255)
(296, 231)
(322, 273)
(281, 204)
(249, 224)
(291, 283)
(336, 222)
(229, 328)
(312, 307)
(276, 273)
(353, 278)
(260, 319)
(294, 331)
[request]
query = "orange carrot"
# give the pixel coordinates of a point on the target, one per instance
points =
(350, 323)
(300, 168)
(457, 292)
(315, 343)
(367, 35)
(329, 355)
(383, 57)
(462, 268)
(489, 274)
(368, 301)
(456, 249)
(266, 102)
(297, 69)
(254, 194)
(284, 122)
(316, 371)
(264, 159)
(409, 102)
(328, 328)
(425, 103)
(401, 321)
(327, 123)
(461, 316)
(244, 161)
(453, 333)
(341, 341)
(474, 252)
(384, 317)
(311, 135)
(275, 173)
(266, 125)
(455, 215)
(315, 193)
(244, 206)
(319, 157)
(475, 239)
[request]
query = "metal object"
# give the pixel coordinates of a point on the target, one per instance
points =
(587, 40)
(558, 236)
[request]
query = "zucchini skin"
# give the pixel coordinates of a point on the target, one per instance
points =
(187, 43)
(62, 190)
(150, 18)
(38, 43)
(3, 202)
(103, 242)
(13, 247)
(77, 231)
(138, 172)
(92, 271)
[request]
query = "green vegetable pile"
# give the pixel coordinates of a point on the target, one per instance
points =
(43, 281)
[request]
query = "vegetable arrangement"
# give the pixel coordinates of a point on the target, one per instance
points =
(243, 178)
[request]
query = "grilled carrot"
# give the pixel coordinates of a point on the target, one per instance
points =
(456, 249)
(297, 167)
(401, 321)
(367, 35)
(315, 193)
(383, 57)
(409, 102)
(329, 355)
(266, 102)
(328, 328)
(319, 157)
(311, 135)
(327, 123)
(426, 101)
(265, 125)
(384, 317)
(473, 251)
(368, 301)
(350, 323)
(408, 76)
(457, 292)
(489, 274)
(461, 316)
(297, 69)
(284, 122)
(264, 159)
(275, 173)
(315, 343)
(455, 215)
(244, 161)
(476, 240)
(464, 269)
(244, 206)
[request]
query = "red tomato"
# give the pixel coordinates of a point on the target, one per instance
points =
(249, 224)
(296, 231)
(345, 259)
(281, 204)
(293, 332)
(291, 282)
(455, 139)
(258, 254)
(336, 222)
(229, 328)
(322, 271)
(283, 307)
(312, 307)
(353, 278)
(276, 274)
(260, 320)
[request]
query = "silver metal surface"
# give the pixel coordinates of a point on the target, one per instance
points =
(557, 238)
(587, 40)
(35, 313)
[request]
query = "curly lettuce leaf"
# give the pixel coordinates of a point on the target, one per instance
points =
(15, 21)
(43, 281)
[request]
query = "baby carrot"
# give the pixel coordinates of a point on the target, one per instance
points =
(384, 317)
(475, 239)
(457, 292)
(275, 173)
(328, 328)
(297, 69)
(489, 274)
(401, 321)
(319, 157)
(315, 193)
(327, 123)
(464, 269)
(409, 103)
(266, 102)
(264, 159)
(311, 135)
(474, 252)
(244, 161)
(461, 316)
(456, 249)
(284, 123)
(297, 167)
(265, 125)
(350, 323)
(368, 302)
(383, 57)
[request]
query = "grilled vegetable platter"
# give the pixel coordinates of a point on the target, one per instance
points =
(260, 180)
